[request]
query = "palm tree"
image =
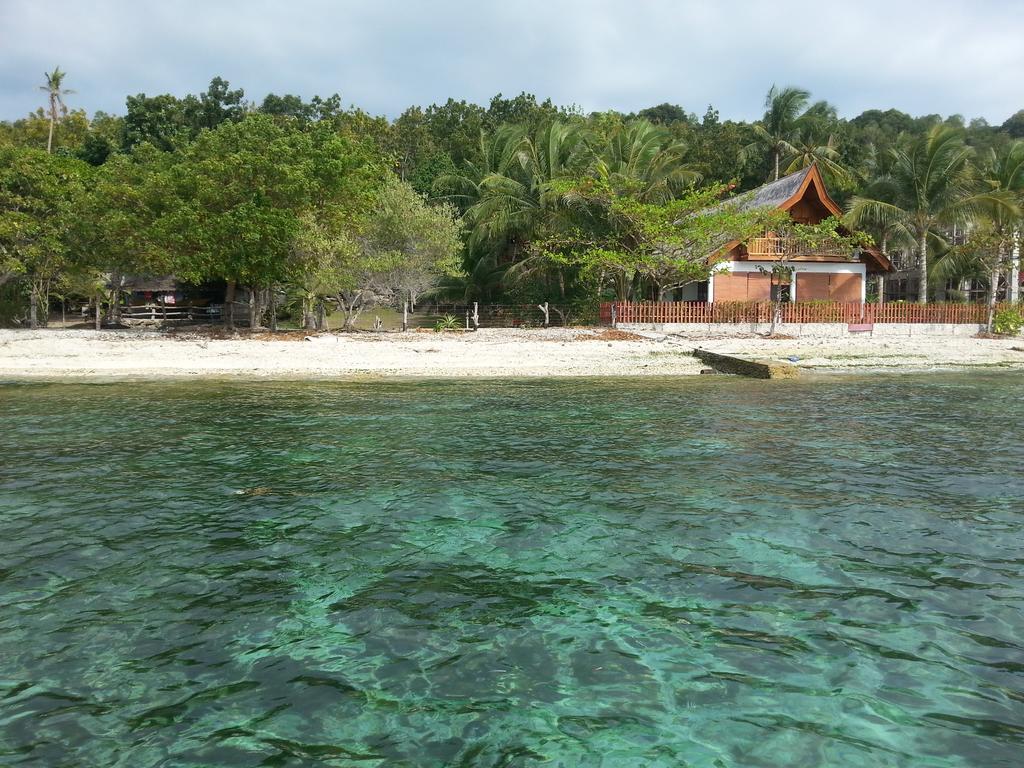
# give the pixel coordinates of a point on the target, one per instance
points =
(54, 87)
(989, 252)
(514, 200)
(775, 132)
(927, 189)
(810, 148)
(646, 155)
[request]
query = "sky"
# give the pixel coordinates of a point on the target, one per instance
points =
(922, 56)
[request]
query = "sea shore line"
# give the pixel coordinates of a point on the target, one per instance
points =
(82, 355)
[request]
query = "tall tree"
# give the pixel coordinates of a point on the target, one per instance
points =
(56, 92)
(928, 188)
(647, 156)
(777, 134)
(242, 191)
(989, 251)
(37, 192)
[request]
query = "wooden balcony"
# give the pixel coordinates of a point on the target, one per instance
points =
(775, 247)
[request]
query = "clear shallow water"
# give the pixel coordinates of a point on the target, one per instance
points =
(705, 572)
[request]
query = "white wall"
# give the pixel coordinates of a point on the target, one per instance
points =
(811, 330)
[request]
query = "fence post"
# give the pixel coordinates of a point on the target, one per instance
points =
(405, 315)
(476, 316)
(614, 314)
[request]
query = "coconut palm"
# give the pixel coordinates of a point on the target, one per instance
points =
(928, 188)
(56, 91)
(775, 133)
(988, 252)
(648, 156)
(514, 200)
(497, 154)
(811, 147)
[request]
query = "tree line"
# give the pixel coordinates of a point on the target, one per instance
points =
(319, 206)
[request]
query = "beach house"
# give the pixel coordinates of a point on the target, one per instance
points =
(824, 273)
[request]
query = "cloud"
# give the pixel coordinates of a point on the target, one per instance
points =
(923, 57)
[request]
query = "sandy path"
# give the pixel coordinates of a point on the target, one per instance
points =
(81, 354)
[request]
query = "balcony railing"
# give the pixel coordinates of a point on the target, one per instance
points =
(777, 247)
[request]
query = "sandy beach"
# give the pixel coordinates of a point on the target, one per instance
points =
(82, 354)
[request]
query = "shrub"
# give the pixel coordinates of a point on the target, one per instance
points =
(1008, 322)
(447, 323)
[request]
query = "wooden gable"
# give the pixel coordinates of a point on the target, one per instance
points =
(811, 204)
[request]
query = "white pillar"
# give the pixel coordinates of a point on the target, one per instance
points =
(1013, 281)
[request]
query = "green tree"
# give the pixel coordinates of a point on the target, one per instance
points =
(649, 156)
(928, 188)
(1014, 124)
(162, 121)
(666, 114)
(988, 252)
(240, 195)
(776, 134)
(399, 247)
(455, 128)
(37, 191)
(114, 229)
(630, 246)
(170, 123)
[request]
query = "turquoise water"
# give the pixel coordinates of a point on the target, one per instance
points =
(708, 572)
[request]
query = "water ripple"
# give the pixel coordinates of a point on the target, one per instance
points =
(579, 573)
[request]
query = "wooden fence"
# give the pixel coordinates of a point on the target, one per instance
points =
(797, 312)
(170, 313)
(495, 315)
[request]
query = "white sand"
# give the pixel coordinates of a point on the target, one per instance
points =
(82, 354)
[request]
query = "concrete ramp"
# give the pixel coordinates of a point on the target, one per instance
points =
(757, 369)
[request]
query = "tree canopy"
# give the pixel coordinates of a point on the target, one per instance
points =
(519, 199)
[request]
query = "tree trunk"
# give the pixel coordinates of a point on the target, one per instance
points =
(46, 305)
(881, 275)
(98, 320)
(992, 288)
(776, 306)
(922, 270)
(777, 155)
(254, 308)
(273, 308)
(308, 316)
(229, 306)
(33, 306)
(49, 141)
(114, 312)
(352, 312)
